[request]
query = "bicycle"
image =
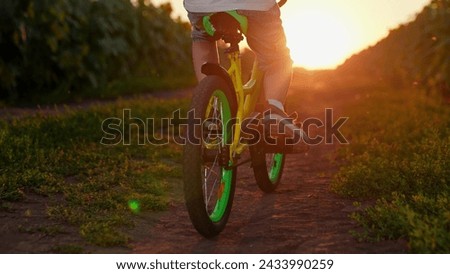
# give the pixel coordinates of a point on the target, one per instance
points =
(223, 108)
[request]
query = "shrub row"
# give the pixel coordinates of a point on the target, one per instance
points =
(68, 46)
(414, 54)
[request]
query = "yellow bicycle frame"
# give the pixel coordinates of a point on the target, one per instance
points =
(247, 97)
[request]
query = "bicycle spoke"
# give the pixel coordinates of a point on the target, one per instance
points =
(207, 176)
(212, 176)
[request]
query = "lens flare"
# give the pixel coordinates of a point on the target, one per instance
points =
(134, 206)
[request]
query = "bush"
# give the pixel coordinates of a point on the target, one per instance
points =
(400, 156)
(67, 46)
(414, 54)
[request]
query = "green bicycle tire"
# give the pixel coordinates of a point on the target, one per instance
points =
(267, 167)
(209, 219)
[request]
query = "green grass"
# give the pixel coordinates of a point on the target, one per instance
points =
(98, 188)
(122, 87)
(400, 157)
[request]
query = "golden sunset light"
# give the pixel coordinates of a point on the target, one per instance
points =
(322, 34)
(136, 127)
(326, 44)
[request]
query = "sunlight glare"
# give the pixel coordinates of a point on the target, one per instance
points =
(317, 39)
(324, 33)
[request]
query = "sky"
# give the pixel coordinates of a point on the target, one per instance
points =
(322, 34)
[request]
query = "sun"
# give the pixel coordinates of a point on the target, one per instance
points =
(317, 39)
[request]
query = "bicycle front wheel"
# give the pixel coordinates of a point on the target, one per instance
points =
(209, 177)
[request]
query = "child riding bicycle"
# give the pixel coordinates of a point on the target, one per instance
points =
(265, 36)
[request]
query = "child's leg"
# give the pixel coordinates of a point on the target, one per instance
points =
(267, 39)
(204, 48)
(202, 52)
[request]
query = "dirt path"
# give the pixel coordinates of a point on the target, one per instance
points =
(302, 216)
